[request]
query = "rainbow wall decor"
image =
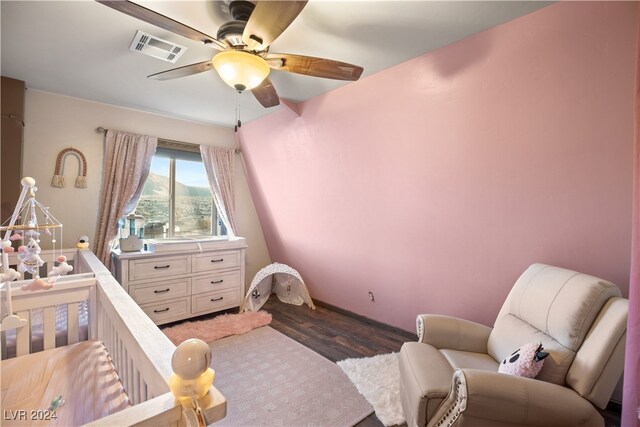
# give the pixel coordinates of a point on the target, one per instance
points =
(58, 176)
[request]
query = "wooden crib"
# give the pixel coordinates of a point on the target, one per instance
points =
(140, 352)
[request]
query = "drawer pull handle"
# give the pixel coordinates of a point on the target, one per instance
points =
(217, 299)
(213, 282)
(217, 260)
(161, 311)
(159, 267)
(162, 291)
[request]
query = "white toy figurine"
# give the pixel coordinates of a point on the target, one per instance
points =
(62, 268)
(83, 242)
(30, 261)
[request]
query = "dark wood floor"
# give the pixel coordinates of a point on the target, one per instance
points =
(332, 334)
(338, 336)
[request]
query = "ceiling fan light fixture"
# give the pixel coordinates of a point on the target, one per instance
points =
(240, 70)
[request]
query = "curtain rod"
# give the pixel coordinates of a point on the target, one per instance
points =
(100, 129)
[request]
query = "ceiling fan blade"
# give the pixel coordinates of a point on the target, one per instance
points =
(268, 20)
(266, 94)
(184, 71)
(161, 21)
(317, 67)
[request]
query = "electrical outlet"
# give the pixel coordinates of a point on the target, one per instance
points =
(371, 297)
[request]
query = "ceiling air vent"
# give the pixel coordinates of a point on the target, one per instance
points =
(158, 48)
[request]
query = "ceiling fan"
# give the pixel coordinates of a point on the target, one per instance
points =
(244, 61)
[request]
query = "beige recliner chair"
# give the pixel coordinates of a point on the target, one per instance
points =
(450, 376)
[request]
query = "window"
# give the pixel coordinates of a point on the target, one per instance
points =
(176, 200)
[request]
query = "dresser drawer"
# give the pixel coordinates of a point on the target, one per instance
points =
(215, 301)
(158, 267)
(166, 311)
(158, 291)
(216, 281)
(216, 260)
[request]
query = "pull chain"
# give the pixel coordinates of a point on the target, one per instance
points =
(238, 123)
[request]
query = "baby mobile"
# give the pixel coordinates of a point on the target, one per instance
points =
(30, 221)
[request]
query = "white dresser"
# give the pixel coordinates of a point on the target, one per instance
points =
(181, 279)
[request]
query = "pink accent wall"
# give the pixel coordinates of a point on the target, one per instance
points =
(435, 183)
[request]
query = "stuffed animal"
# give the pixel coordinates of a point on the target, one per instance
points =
(36, 285)
(30, 261)
(83, 242)
(6, 246)
(62, 268)
(9, 276)
(32, 233)
(525, 361)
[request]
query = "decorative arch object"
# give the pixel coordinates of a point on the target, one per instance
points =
(58, 176)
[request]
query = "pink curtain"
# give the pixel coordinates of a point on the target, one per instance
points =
(631, 391)
(220, 166)
(127, 160)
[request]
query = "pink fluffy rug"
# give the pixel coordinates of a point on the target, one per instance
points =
(219, 327)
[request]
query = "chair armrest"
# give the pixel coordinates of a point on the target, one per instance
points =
(490, 398)
(452, 333)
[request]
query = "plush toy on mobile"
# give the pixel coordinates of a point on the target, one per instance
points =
(29, 256)
(62, 268)
(83, 242)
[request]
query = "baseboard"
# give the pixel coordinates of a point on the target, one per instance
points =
(380, 325)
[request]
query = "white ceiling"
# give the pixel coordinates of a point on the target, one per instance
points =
(81, 48)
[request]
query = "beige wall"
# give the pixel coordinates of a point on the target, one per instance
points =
(54, 122)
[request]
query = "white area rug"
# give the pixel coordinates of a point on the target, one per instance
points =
(269, 379)
(378, 380)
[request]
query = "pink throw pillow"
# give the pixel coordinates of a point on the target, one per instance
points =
(525, 361)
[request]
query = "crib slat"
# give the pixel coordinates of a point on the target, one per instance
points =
(127, 372)
(136, 384)
(123, 362)
(72, 323)
(118, 358)
(114, 344)
(124, 369)
(142, 388)
(23, 335)
(114, 339)
(133, 382)
(97, 316)
(122, 373)
(3, 344)
(109, 334)
(93, 315)
(49, 327)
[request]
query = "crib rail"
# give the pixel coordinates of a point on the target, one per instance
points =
(164, 410)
